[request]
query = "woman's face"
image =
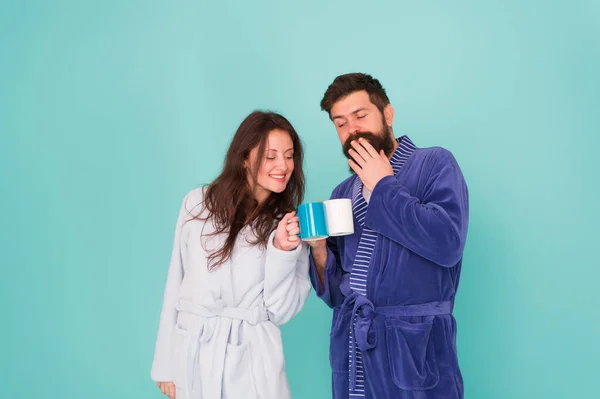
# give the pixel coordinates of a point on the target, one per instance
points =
(275, 168)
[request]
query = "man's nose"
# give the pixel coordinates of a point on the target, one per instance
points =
(352, 128)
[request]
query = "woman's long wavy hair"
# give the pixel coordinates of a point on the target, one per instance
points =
(230, 199)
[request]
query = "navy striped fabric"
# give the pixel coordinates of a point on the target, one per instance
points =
(366, 245)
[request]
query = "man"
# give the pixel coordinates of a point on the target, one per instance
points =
(392, 283)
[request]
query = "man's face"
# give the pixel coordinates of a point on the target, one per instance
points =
(356, 116)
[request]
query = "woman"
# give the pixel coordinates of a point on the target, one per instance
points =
(238, 271)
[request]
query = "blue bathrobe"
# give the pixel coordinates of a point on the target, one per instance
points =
(403, 326)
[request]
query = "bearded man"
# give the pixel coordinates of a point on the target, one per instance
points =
(392, 283)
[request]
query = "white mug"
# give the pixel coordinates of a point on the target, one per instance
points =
(340, 221)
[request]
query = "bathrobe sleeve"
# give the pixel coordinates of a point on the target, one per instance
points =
(161, 366)
(286, 281)
(330, 291)
(434, 226)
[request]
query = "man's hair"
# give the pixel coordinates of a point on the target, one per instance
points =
(349, 83)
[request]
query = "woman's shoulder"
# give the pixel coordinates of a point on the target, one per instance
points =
(193, 202)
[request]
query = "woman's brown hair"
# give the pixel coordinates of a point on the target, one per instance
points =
(229, 200)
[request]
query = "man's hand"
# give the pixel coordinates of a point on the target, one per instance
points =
(369, 165)
(318, 250)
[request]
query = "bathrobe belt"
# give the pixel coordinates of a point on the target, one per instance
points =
(360, 307)
(253, 316)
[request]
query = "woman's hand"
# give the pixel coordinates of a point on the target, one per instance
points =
(286, 235)
(168, 388)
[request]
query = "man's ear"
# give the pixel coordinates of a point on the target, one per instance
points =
(388, 114)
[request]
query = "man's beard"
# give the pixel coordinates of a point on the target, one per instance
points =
(380, 141)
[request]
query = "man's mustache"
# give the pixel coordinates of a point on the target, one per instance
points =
(373, 139)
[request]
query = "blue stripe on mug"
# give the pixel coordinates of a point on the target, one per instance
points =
(313, 224)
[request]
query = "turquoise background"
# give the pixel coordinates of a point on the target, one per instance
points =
(110, 111)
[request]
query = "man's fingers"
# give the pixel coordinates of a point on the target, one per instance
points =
(357, 169)
(368, 147)
(364, 148)
(356, 157)
(356, 146)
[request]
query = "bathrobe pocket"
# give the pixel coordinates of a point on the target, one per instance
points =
(238, 377)
(180, 342)
(338, 342)
(411, 354)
